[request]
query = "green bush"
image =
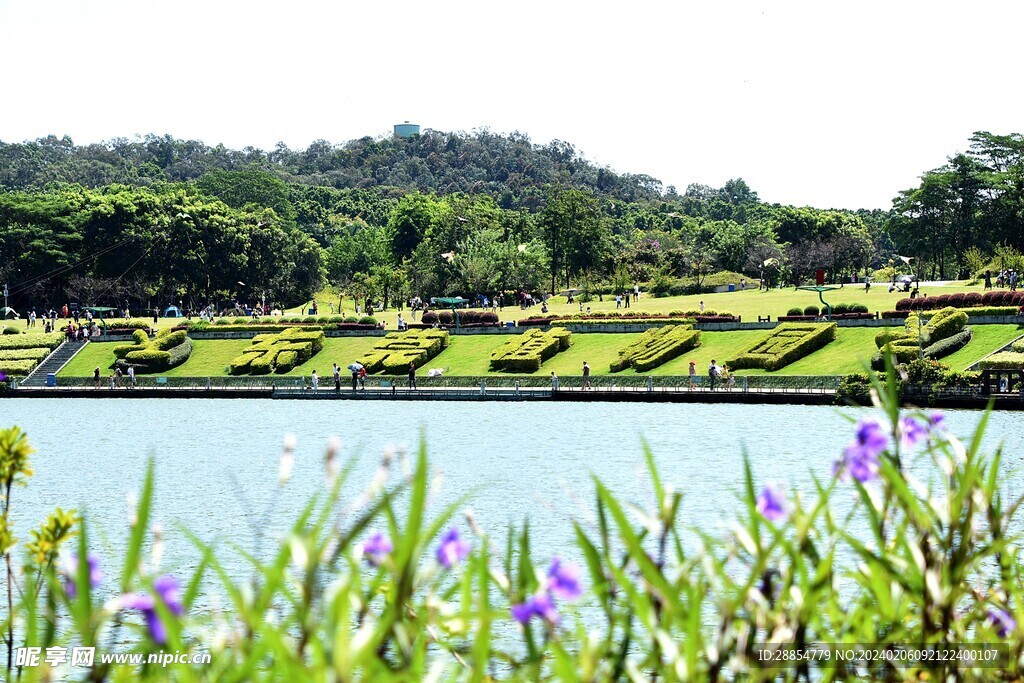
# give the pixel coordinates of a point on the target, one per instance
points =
(858, 308)
(528, 351)
(351, 319)
(17, 368)
(795, 311)
(11, 330)
(396, 350)
(37, 354)
(656, 347)
(367, 320)
(1018, 346)
(786, 343)
(31, 341)
(990, 311)
(286, 360)
(841, 308)
(149, 357)
(1003, 360)
(302, 341)
(951, 344)
(811, 310)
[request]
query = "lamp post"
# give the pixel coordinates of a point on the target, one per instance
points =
(920, 337)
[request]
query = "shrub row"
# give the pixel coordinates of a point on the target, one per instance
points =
(838, 316)
(996, 297)
(527, 352)
(36, 354)
(393, 354)
(31, 341)
(950, 344)
(165, 351)
(11, 330)
(655, 347)
(836, 310)
(1003, 360)
(17, 368)
(467, 318)
(786, 343)
(262, 357)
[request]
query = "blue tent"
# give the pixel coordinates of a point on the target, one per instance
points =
(172, 312)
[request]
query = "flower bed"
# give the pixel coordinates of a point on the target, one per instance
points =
(655, 347)
(786, 343)
(467, 318)
(265, 355)
(527, 352)
(397, 350)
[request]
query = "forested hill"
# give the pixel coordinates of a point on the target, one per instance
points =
(511, 169)
(451, 213)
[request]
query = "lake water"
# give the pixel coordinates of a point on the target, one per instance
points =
(217, 461)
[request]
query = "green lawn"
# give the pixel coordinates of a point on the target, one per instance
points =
(986, 339)
(848, 353)
(749, 303)
(470, 354)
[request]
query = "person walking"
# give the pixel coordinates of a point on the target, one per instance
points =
(337, 378)
(554, 382)
(131, 376)
(412, 375)
(586, 376)
(693, 374)
(315, 380)
(713, 371)
(96, 376)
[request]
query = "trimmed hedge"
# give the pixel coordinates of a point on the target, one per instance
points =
(167, 350)
(951, 344)
(17, 368)
(786, 343)
(528, 351)
(11, 330)
(31, 341)
(1003, 360)
(656, 347)
(467, 318)
(992, 298)
(262, 357)
(36, 354)
(396, 350)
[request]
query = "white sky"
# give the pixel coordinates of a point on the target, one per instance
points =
(815, 103)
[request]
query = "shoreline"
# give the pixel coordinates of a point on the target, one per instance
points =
(599, 394)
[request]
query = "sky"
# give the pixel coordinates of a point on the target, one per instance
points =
(816, 103)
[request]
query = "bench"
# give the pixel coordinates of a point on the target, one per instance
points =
(764, 318)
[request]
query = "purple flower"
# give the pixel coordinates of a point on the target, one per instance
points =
(452, 549)
(936, 421)
(540, 605)
(167, 589)
(860, 460)
(377, 548)
(564, 580)
(3, 377)
(70, 572)
(911, 433)
(1002, 621)
(771, 503)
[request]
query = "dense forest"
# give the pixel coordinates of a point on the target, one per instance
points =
(156, 220)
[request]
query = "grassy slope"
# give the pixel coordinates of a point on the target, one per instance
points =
(986, 339)
(749, 304)
(469, 355)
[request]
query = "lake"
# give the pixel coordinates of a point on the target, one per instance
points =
(217, 460)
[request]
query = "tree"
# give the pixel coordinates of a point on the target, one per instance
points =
(573, 231)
